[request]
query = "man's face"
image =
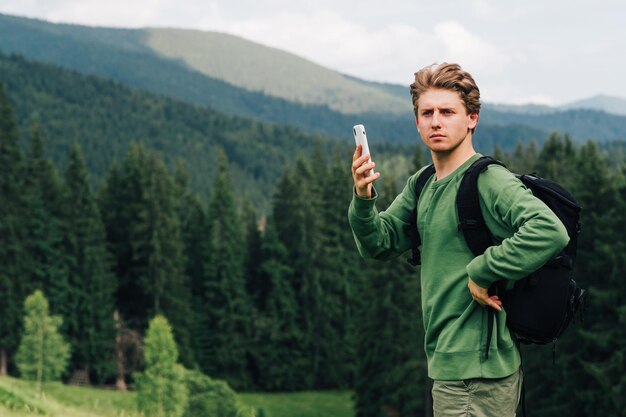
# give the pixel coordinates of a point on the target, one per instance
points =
(442, 121)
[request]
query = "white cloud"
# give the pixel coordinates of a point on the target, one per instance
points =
(516, 51)
(390, 53)
(470, 50)
(118, 13)
(491, 10)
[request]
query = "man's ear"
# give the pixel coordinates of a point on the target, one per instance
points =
(417, 125)
(473, 120)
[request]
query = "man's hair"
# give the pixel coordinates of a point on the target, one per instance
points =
(449, 77)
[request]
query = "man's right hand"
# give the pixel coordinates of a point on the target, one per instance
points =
(360, 166)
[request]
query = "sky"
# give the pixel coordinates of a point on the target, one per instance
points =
(533, 51)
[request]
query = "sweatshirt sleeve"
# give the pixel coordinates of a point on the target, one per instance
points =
(386, 234)
(532, 233)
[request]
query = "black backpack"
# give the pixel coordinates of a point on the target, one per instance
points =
(540, 306)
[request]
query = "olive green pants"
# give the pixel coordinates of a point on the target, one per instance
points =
(478, 397)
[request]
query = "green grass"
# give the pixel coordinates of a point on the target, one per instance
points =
(18, 399)
(302, 404)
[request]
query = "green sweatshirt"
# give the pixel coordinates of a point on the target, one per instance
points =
(526, 235)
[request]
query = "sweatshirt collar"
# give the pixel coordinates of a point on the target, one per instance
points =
(457, 172)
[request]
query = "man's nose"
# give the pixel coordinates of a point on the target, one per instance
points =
(434, 121)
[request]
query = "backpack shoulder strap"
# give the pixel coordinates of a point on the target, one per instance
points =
(471, 221)
(416, 240)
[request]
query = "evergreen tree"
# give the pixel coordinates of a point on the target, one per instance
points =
(316, 275)
(391, 365)
(44, 238)
(278, 363)
(89, 311)
(192, 216)
(599, 268)
(42, 354)
(158, 252)
(142, 208)
(498, 154)
(227, 310)
(253, 257)
(12, 264)
(419, 158)
(557, 160)
(161, 388)
(336, 261)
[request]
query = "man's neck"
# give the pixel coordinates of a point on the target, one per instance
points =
(447, 162)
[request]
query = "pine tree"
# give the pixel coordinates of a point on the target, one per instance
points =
(12, 264)
(419, 158)
(278, 363)
(227, 309)
(90, 303)
(253, 257)
(557, 160)
(599, 268)
(142, 209)
(498, 154)
(42, 354)
(193, 227)
(336, 274)
(318, 310)
(391, 375)
(161, 388)
(44, 238)
(158, 252)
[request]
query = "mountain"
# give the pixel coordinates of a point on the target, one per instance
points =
(124, 55)
(534, 109)
(104, 117)
(276, 73)
(243, 78)
(609, 104)
(235, 61)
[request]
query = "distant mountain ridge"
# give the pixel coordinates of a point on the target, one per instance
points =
(230, 59)
(601, 102)
(202, 67)
(277, 73)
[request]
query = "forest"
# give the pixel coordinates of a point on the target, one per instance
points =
(277, 300)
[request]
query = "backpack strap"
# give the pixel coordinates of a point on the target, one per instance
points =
(472, 223)
(416, 240)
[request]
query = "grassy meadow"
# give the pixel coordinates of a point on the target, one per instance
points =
(18, 399)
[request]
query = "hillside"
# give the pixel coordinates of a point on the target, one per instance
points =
(202, 57)
(105, 117)
(274, 72)
(213, 70)
(17, 399)
(609, 104)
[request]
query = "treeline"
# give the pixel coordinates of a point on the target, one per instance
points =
(104, 117)
(281, 302)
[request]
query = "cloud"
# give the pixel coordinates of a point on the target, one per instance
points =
(470, 50)
(513, 51)
(491, 10)
(112, 13)
(390, 53)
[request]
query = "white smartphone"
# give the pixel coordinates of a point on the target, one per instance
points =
(360, 138)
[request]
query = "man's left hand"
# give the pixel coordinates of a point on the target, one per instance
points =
(481, 296)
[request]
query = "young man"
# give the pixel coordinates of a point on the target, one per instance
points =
(455, 283)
